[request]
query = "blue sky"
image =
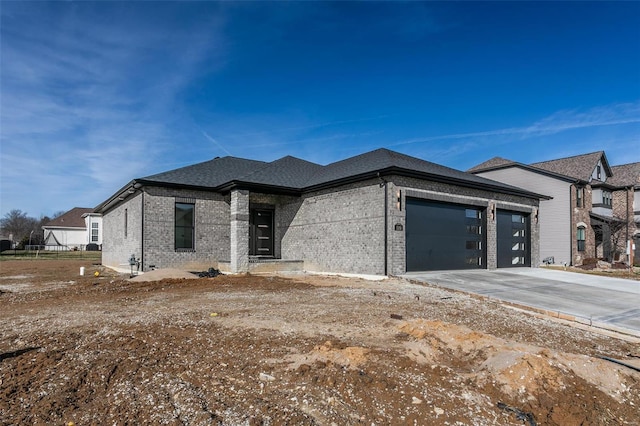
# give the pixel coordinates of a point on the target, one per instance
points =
(94, 94)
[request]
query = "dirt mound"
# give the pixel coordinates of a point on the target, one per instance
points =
(163, 274)
(323, 351)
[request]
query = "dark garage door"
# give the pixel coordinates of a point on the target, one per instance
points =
(443, 236)
(514, 242)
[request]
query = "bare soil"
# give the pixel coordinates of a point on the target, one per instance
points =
(299, 350)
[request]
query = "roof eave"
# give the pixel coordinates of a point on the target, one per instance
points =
(394, 170)
(534, 170)
(120, 195)
(259, 187)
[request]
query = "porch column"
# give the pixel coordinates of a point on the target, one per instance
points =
(239, 230)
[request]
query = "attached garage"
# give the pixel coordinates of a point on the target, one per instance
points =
(513, 238)
(443, 236)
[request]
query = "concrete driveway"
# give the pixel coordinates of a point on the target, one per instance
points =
(609, 302)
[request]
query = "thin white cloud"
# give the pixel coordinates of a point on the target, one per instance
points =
(86, 102)
(215, 142)
(561, 121)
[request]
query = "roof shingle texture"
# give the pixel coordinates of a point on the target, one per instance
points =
(491, 164)
(294, 173)
(578, 167)
(625, 175)
(208, 174)
(71, 219)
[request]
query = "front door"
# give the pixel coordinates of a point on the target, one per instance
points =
(261, 233)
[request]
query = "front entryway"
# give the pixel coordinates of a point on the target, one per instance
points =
(261, 233)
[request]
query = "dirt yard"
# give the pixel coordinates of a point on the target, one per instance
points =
(302, 350)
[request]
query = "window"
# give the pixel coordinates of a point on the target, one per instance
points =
(474, 229)
(94, 232)
(606, 198)
(599, 172)
(581, 238)
(579, 197)
(473, 214)
(184, 226)
(518, 233)
(517, 218)
(126, 220)
(474, 245)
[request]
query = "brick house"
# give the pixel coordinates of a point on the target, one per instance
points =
(593, 209)
(381, 212)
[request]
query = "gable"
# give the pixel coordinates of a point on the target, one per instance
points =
(71, 219)
(581, 167)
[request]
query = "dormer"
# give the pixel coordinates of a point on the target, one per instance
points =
(585, 168)
(601, 171)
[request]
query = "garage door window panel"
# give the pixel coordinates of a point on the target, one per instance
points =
(513, 239)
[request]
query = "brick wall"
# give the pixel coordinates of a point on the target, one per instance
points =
(212, 229)
(118, 243)
(580, 216)
(622, 206)
(337, 230)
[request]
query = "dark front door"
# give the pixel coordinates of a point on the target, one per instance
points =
(261, 233)
(514, 241)
(444, 236)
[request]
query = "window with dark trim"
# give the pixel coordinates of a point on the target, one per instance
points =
(126, 220)
(184, 220)
(607, 198)
(580, 236)
(579, 197)
(599, 173)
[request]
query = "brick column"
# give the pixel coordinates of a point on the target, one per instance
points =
(239, 231)
(492, 235)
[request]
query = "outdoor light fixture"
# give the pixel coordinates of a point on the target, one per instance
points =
(493, 212)
(399, 200)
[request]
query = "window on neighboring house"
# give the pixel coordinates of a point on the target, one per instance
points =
(606, 198)
(126, 220)
(94, 232)
(184, 226)
(580, 236)
(599, 172)
(579, 197)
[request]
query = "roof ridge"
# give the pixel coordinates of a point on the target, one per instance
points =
(601, 152)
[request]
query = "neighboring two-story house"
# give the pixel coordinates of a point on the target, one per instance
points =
(594, 209)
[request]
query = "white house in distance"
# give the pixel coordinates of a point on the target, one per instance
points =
(74, 230)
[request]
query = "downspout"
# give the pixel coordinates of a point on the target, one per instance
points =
(383, 184)
(571, 225)
(627, 243)
(142, 234)
(386, 228)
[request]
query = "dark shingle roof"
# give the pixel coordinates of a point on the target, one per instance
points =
(71, 219)
(293, 175)
(578, 167)
(384, 159)
(288, 172)
(493, 163)
(625, 175)
(209, 174)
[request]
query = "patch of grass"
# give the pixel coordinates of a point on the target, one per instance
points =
(94, 256)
